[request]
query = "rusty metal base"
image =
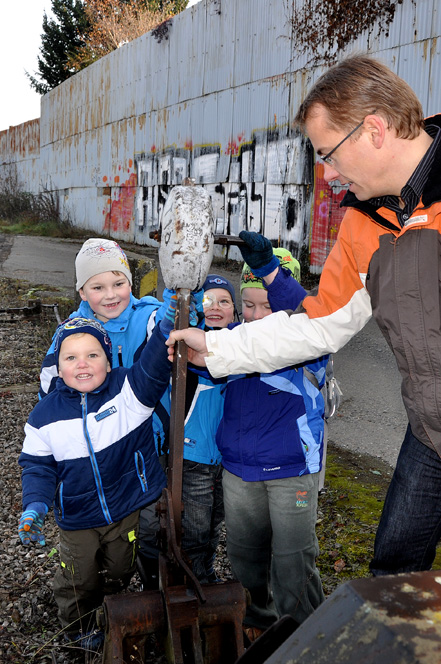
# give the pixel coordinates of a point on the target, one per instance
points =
(193, 632)
(383, 620)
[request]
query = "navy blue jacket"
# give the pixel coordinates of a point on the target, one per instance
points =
(273, 423)
(94, 454)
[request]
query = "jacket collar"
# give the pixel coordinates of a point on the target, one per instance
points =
(64, 389)
(115, 324)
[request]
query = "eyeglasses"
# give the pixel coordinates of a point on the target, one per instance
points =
(327, 158)
(210, 301)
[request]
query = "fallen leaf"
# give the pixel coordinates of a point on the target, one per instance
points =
(339, 565)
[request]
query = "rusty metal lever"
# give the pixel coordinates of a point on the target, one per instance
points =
(222, 239)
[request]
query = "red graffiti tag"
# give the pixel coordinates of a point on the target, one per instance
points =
(327, 217)
(120, 215)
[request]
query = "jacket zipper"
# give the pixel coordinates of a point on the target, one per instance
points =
(139, 460)
(93, 461)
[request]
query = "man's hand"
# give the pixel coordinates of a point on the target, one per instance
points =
(195, 340)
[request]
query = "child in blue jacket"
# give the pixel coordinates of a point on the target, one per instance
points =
(202, 494)
(104, 282)
(87, 451)
(271, 441)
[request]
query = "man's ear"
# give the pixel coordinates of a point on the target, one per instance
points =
(82, 295)
(109, 368)
(376, 127)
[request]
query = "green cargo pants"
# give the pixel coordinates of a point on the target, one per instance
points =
(93, 563)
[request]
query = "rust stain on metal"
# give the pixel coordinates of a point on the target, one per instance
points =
(22, 140)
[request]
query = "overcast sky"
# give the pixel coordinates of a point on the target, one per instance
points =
(19, 47)
(21, 37)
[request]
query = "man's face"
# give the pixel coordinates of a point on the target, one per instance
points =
(82, 362)
(108, 294)
(355, 162)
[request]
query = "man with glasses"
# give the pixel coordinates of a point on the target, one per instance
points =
(367, 126)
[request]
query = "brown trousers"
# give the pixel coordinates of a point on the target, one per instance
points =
(93, 563)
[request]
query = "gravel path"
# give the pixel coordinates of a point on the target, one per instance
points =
(29, 628)
(27, 608)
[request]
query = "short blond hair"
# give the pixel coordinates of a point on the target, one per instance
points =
(359, 86)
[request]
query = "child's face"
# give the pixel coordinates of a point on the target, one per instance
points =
(82, 362)
(218, 307)
(255, 304)
(108, 294)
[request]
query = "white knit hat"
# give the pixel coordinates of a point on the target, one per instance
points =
(97, 256)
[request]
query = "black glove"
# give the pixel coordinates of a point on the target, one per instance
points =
(257, 252)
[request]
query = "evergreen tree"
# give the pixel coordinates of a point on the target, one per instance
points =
(62, 36)
(72, 40)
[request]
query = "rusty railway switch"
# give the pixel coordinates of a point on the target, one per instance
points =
(198, 624)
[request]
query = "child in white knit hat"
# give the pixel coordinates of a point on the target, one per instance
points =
(103, 278)
(104, 282)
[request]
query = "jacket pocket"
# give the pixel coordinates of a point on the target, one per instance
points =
(141, 471)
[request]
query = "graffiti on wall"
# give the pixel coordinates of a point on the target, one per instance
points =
(327, 216)
(120, 214)
(262, 185)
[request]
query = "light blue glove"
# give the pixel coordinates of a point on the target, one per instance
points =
(196, 307)
(31, 524)
(167, 323)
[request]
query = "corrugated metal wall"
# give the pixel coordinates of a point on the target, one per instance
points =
(20, 155)
(212, 99)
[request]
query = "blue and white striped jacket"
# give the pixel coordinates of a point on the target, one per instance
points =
(129, 333)
(94, 454)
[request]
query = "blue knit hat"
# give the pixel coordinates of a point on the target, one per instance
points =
(216, 281)
(84, 326)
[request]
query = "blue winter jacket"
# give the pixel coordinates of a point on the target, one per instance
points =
(202, 422)
(94, 454)
(129, 334)
(203, 417)
(273, 423)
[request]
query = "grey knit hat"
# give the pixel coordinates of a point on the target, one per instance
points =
(97, 256)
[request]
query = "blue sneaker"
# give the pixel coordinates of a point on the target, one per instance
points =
(92, 640)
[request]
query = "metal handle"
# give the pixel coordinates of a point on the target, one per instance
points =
(177, 412)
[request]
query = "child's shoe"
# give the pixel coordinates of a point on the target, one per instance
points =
(92, 640)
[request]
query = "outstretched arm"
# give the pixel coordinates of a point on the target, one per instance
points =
(195, 340)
